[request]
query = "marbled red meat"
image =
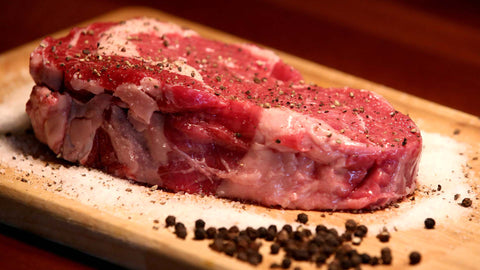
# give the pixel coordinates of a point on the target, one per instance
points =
(153, 102)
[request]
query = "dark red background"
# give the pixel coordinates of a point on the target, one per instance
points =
(427, 48)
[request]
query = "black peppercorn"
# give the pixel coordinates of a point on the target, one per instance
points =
(414, 257)
(320, 228)
(199, 223)
(180, 230)
(252, 233)
(222, 233)
(361, 231)
(288, 228)
(321, 259)
(272, 228)
(229, 248)
(211, 232)
(466, 202)
(300, 254)
(350, 225)
(255, 258)
(286, 262)
(170, 221)
(365, 258)
(262, 232)
(274, 248)
(386, 254)
(298, 235)
(374, 260)
(270, 235)
(331, 240)
(429, 223)
(200, 233)
(334, 265)
(242, 256)
(217, 245)
(346, 236)
(233, 229)
(333, 232)
(356, 259)
(345, 262)
(383, 236)
(282, 237)
(302, 218)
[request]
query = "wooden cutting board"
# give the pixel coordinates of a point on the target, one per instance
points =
(123, 222)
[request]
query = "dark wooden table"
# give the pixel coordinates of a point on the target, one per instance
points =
(427, 48)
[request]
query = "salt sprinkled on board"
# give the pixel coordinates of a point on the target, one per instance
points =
(441, 164)
(124, 198)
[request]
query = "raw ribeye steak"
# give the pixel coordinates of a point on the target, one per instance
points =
(153, 102)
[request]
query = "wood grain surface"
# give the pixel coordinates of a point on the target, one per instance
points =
(131, 242)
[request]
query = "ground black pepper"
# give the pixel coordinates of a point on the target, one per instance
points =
(429, 223)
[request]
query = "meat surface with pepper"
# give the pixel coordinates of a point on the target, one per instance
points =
(159, 104)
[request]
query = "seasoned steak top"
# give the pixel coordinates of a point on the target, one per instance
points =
(105, 56)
